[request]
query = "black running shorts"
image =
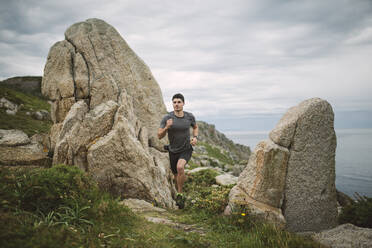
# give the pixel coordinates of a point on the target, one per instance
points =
(174, 157)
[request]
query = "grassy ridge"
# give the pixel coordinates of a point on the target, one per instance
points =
(21, 120)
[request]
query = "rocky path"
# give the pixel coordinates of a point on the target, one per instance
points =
(159, 215)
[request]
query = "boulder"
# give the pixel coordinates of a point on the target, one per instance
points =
(41, 115)
(203, 168)
(205, 163)
(16, 149)
(310, 194)
(106, 110)
(13, 137)
(141, 206)
(345, 236)
(11, 108)
(240, 201)
(264, 177)
(294, 171)
(226, 179)
(10, 112)
(261, 185)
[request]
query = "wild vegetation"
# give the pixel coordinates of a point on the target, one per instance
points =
(62, 207)
(214, 152)
(358, 213)
(22, 120)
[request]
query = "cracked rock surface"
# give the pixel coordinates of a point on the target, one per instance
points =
(290, 178)
(106, 111)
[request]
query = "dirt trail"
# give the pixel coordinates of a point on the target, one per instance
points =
(159, 215)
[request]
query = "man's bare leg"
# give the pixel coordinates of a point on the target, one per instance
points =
(181, 177)
(175, 180)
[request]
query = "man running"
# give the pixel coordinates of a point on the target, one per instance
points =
(177, 124)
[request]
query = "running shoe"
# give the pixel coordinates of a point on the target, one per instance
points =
(180, 200)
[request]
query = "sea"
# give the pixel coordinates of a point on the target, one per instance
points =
(353, 157)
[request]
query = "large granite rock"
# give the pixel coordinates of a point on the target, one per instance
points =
(261, 185)
(239, 200)
(106, 110)
(17, 149)
(294, 171)
(264, 177)
(310, 193)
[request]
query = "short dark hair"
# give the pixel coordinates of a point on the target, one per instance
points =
(180, 96)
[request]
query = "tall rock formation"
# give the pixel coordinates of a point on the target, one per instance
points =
(106, 110)
(290, 179)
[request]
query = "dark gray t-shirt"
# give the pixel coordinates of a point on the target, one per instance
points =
(179, 132)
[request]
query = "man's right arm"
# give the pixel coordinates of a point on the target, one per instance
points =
(163, 131)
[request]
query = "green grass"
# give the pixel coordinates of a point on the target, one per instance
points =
(21, 120)
(62, 207)
(192, 164)
(214, 152)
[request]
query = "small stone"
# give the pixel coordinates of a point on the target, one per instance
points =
(10, 112)
(37, 115)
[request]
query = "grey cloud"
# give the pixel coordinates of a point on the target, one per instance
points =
(230, 40)
(264, 53)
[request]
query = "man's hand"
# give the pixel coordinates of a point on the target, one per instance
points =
(163, 131)
(169, 123)
(193, 141)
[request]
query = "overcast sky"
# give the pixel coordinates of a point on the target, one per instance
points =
(240, 64)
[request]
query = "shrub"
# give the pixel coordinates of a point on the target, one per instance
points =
(59, 207)
(211, 200)
(358, 213)
(46, 189)
(201, 194)
(205, 178)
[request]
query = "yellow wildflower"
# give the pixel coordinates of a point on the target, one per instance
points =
(243, 214)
